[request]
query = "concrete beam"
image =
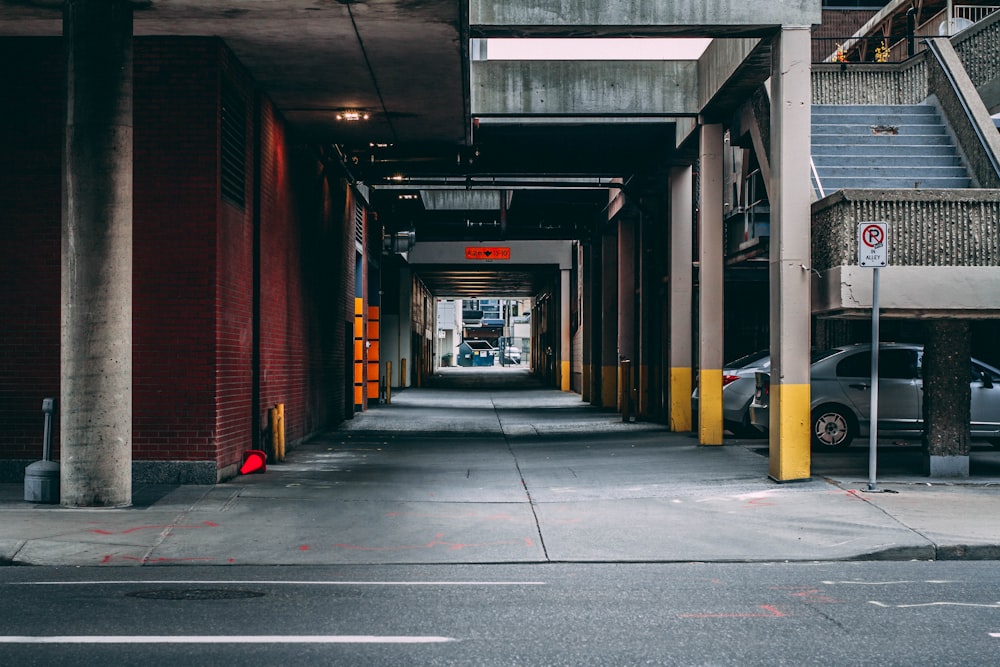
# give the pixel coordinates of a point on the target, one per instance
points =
(631, 17)
(915, 291)
(521, 252)
(584, 88)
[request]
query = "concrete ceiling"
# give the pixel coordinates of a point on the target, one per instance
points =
(406, 64)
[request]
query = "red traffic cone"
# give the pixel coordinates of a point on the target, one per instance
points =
(254, 460)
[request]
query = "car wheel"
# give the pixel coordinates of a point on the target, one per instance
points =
(832, 427)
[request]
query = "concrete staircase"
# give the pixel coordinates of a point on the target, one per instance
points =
(883, 147)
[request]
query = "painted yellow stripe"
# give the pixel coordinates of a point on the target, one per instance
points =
(564, 375)
(609, 386)
(789, 442)
(710, 406)
(680, 399)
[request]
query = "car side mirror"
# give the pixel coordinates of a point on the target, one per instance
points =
(987, 379)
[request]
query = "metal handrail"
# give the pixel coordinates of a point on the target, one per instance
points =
(980, 135)
(815, 175)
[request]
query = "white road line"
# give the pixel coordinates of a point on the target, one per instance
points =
(224, 639)
(234, 582)
(887, 583)
(995, 605)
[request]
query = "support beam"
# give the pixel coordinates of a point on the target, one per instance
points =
(710, 285)
(626, 296)
(565, 348)
(681, 249)
(609, 318)
(790, 259)
(96, 346)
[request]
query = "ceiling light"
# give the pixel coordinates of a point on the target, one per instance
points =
(352, 115)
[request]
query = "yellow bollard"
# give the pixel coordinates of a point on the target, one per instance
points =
(402, 372)
(280, 409)
(272, 419)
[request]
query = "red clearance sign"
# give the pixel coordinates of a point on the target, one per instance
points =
(479, 252)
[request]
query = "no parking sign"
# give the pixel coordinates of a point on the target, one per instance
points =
(873, 244)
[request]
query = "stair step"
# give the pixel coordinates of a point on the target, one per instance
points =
(863, 183)
(910, 172)
(872, 119)
(882, 139)
(897, 109)
(863, 129)
(889, 150)
(887, 159)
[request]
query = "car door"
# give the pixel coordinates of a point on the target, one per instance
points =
(898, 389)
(985, 404)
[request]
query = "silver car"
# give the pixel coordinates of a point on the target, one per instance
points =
(737, 392)
(840, 398)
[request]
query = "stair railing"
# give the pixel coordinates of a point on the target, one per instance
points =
(815, 175)
(935, 50)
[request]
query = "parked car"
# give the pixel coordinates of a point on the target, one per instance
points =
(737, 392)
(840, 398)
(512, 355)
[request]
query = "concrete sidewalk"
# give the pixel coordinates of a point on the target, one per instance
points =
(504, 475)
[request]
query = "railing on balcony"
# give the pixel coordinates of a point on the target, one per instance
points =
(872, 49)
(897, 48)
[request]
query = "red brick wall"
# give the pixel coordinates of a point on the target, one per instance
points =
(193, 257)
(31, 120)
(175, 211)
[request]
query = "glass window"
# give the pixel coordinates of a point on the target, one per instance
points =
(892, 364)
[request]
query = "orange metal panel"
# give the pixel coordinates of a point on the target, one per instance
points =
(373, 372)
(359, 306)
(359, 327)
(359, 372)
(359, 396)
(373, 351)
(359, 350)
(373, 312)
(372, 330)
(373, 390)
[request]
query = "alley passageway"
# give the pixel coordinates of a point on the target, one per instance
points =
(486, 467)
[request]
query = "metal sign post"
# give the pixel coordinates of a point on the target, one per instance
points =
(873, 251)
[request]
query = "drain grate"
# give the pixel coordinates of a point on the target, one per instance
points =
(196, 594)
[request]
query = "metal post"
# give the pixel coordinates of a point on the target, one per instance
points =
(911, 27)
(873, 429)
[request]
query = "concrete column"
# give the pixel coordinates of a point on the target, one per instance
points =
(96, 345)
(626, 293)
(681, 249)
(609, 318)
(710, 285)
(565, 349)
(587, 318)
(790, 259)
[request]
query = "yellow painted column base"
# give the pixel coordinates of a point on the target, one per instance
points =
(609, 386)
(788, 436)
(680, 399)
(564, 375)
(710, 407)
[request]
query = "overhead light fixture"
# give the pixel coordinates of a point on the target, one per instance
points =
(352, 115)
(409, 196)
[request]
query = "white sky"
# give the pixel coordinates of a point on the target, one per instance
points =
(593, 48)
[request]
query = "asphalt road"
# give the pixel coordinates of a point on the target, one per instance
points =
(847, 613)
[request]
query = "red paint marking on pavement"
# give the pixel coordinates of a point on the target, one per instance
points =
(438, 542)
(304, 547)
(772, 612)
(171, 526)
